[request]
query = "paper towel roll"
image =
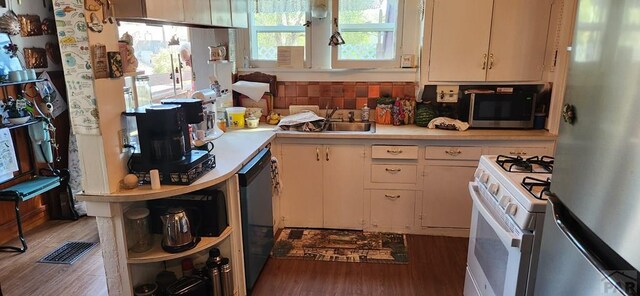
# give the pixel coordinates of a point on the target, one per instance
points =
(253, 90)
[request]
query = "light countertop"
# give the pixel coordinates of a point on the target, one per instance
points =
(237, 147)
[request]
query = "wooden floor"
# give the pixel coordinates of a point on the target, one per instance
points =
(20, 274)
(436, 267)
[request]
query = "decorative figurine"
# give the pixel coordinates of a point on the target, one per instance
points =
(129, 60)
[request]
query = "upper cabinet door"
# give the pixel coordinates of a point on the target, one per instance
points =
(239, 13)
(460, 40)
(170, 10)
(221, 13)
(518, 40)
(197, 12)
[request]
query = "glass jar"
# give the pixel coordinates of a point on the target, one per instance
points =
(128, 98)
(139, 236)
(143, 89)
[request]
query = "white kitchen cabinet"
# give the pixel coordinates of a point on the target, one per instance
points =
(301, 173)
(392, 210)
(171, 10)
(488, 40)
(239, 13)
(323, 185)
(197, 12)
(220, 12)
(446, 201)
(343, 178)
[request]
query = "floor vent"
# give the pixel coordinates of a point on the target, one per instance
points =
(68, 253)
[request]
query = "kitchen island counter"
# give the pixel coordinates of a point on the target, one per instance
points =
(232, 151)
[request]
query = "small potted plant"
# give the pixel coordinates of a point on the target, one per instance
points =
(18, 110)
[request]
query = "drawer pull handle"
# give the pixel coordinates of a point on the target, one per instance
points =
(453, 152)
(392, 196)
(393, 171)
(317, 154)
(394, 152)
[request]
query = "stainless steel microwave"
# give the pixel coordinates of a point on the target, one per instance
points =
(493, 109)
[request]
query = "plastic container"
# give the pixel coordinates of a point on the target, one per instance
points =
(253, 122)
(143, 89)
(236, 116)
(139, 235)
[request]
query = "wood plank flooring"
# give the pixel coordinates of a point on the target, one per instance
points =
(436, 267)
(20, 274)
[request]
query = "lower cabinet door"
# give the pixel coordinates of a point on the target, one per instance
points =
(301, 199)
(392, 210)
(343, 176)
(446, 201)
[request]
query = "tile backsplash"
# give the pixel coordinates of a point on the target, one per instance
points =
(345, 95)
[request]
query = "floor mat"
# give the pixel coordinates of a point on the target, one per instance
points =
(68, 253)
(341, 245)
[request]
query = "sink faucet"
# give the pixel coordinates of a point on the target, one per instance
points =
(328, 115)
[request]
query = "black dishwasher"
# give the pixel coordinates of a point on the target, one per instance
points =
(257, 214)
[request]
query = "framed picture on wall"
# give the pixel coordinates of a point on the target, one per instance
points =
(8, 59)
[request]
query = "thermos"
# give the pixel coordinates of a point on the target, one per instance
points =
(214, 275)
(227, 277)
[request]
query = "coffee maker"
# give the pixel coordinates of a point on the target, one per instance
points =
(165, 142)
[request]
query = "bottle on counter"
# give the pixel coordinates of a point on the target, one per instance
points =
(365, 113)
(213, 270)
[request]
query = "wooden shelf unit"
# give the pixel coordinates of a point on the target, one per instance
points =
(157, 254)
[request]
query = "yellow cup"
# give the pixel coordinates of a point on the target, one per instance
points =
(236, 116)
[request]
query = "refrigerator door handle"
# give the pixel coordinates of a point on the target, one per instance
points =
(566, 223)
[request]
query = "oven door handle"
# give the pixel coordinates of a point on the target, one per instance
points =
(507, 237)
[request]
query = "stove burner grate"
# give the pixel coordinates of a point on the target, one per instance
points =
(514, 164)
(545, 162)
(530, 183)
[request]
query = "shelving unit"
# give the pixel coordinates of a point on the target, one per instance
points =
(157, 254)
(4, 85)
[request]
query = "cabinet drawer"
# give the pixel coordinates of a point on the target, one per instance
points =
(394, 152)
(392, 209)
(448, 152)
(519, 151)
(394, 173)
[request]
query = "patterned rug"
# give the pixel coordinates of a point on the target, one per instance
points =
(341, 245)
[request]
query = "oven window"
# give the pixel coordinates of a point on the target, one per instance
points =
(516, 107)
(492, 255)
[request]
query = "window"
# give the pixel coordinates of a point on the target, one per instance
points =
(168, 67)
(276, 23)
(369, 29)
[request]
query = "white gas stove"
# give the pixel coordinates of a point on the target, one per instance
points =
(509, 205)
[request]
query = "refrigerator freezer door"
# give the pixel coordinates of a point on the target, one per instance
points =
(597, 163)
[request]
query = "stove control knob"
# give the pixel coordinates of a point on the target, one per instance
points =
(484, 178)
(478, 173)
(493, 189)
(504, 201)
(511, 209)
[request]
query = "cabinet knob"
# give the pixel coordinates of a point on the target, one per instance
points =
(491, 60)
(392, 196)
(484, 61)
(317, 154)
(393, 171)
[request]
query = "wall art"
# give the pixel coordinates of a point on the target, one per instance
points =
(30, 25)
(115, 64)
(99, 61)
(35, 58)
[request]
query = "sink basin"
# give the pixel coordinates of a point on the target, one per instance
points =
(351, 127)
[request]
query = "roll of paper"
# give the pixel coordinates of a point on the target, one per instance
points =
(155, 179)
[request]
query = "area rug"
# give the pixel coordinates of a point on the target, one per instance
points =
(341, 245)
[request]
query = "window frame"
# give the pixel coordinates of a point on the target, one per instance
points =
(253, 31)
(350, 64)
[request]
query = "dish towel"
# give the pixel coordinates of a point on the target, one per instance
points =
(253, 90)
(304, 121)
(275, 176)
(444, 122)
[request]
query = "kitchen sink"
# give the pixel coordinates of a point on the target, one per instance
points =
(338, 126)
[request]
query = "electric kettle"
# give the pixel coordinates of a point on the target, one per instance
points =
(176, 231)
